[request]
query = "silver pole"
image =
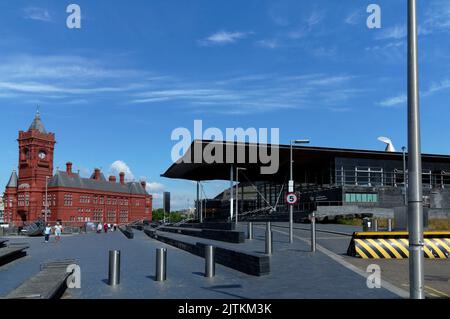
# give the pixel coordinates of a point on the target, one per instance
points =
(313, 232)
(375, 224)
(114, 268)
(291, 207)
(231, 192)
(250, 230)
(389, 224)
(201, 203)
(237, 195)
(405, 196)
(269, 242)
(161, 264)
(415, 209)
(210, 264)
(197, 203)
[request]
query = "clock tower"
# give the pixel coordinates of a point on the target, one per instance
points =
(36, 148)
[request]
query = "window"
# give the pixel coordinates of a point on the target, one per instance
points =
(361, 198)
(21, 200)
(123, 218)
(67, 199)
(111, 217)
(85, 199)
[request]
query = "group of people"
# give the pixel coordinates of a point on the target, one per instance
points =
(57, 230)
(105, 227)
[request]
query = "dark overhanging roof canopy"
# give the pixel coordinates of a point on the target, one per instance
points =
(304, 157)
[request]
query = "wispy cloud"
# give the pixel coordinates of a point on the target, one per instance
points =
(268, 43)
(437, 17)
(39, 14)
(246, 94)
(353, 18)
(401, 99)
(223, 38)
(397, 32)
(75, 80)
(314, 18)
(394, 101)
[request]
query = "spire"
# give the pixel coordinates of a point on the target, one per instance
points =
(12, 180)
(37, 123)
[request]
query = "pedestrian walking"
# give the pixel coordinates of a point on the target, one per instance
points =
(99, 228)
(58, 232)
(105, 227)
(47, 232)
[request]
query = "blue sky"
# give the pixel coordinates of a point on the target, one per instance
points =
(116, 88)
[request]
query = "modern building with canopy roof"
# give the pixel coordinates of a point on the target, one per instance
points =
(333, 177)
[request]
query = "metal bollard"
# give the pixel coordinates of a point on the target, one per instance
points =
(389, 224)
(269, 240)
(313, 232)
(114, 268)
(161, 264)
(250, 230)
(375, 225)
(210, 263)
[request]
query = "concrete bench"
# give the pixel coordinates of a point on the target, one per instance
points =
(12, 252)
(127, 231)
(3, 242)
(49, 283)
(210, 225)
(246, 262)
(229, 236)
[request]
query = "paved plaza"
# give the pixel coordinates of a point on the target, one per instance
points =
(295, 271)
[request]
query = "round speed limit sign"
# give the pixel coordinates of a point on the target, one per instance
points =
(291, 198)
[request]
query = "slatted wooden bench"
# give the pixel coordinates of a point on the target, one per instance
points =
(12, 252)
(49, 283)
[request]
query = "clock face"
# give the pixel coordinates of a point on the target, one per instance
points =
(42, 155)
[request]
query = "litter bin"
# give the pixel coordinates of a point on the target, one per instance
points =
(367, 224)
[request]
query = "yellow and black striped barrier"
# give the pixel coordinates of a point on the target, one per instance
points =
(394, 245)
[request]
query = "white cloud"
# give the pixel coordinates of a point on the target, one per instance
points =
(394, 101)
(314, 18)
(38, 14)
(353, 18)
(120, 166)
(332, 80)
(268, 43)
(154, 187)
(223, 38)
(396, 32)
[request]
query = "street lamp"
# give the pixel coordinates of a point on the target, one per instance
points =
(291, 190)
(237, 191)
(415, 206)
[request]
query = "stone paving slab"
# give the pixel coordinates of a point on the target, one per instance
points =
(296, 273)
(395, 271)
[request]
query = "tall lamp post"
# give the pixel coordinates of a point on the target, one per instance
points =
(237, 192)
(415, 208)
(291, 190)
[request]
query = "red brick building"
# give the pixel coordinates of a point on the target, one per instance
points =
(70, 198)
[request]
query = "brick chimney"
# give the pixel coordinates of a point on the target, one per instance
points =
(69, 168)
(122, 178)
(97, 174)
(112, 179)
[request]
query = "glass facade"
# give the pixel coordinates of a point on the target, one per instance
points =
(376, 173)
